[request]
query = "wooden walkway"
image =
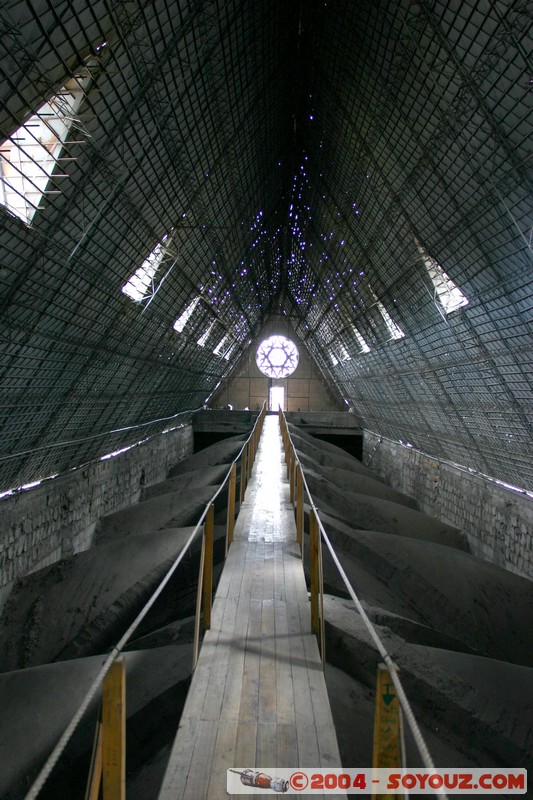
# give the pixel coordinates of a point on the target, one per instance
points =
(258, 697)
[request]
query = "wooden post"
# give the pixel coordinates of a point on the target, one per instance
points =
(322, 619)
(199, 595)
(314, 570)
(300, 509)
(292, 479)
(207, 586)
(250, 459)
(387, 748)
(114, 732)
(244, 473)
(250, 449)
(230, 523)
(289, 458)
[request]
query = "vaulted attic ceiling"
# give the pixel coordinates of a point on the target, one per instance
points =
(362, 166)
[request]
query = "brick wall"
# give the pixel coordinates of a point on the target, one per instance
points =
(58, 518)
(498, 521)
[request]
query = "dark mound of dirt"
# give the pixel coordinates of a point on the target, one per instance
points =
(484, 705)
(351, 481)
(478, 606)
(76, 607)
(38, 703)
(220, 453)
(188, 482)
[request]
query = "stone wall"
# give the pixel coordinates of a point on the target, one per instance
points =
(497, 520)
(58, 518)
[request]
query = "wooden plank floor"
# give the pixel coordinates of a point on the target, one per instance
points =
(258, 697)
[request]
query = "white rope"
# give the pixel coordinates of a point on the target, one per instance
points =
(380, 647)
(97, 435)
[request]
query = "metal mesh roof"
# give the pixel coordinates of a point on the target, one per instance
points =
(303, 156)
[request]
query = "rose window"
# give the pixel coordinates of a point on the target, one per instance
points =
(277, 357)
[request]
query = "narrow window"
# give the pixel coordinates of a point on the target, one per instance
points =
(445, 292)
(141, 283)
(221, 347)
(343, 352)
(202, 341)
(29, 156)
(229, 353)
(360, 340)
(394, 330)
(183, 319)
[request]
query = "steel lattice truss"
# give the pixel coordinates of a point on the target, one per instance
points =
(315, 163)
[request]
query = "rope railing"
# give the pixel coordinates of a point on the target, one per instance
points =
(246, 456)
(317, 534)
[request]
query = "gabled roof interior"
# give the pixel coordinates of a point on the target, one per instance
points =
(312, 157)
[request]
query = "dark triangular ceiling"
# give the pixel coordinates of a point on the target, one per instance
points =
(359, 162)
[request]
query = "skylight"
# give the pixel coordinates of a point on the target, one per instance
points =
(446, 292)
(29, 156)
(229, 353)
(141, 283)
(221, 347)
(183, 319)
(360, 340)
(343, 352)
(394, 330)
(202, 341)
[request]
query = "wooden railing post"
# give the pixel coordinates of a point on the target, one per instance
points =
(205, 582)
(314, 570)
(199, 595)
(292, 479)
(114, 732)
(251, 452)
(283, 431)
(387, 751)
(230, 522)
(250, 459)
(300, 509)
(207, 587)
(244, 474)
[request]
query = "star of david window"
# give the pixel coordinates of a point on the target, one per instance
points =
(277, 357)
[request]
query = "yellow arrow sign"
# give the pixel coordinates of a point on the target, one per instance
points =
(387, 749)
